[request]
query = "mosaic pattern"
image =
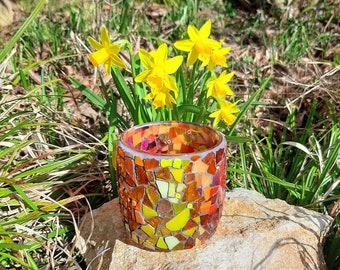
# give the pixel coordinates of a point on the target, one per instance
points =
(171, 180)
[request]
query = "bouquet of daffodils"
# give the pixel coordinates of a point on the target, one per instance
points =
(166, 89)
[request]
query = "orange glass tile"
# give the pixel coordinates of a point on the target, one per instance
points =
(137, 193)
(209, 158)
(200, 167)
(191, 192)
(194, 158)
(189, 178)
(136, 138)
(207, 193)
(141, 176)
(153, 194)
(212, 167)
(139, 217)
(120, 152)
(129, 166)
(172, 133)
(205, 207)
(139, 161)
(155, 221)
(165, 231)
(150, 176)
(151, 164)
(130, 180)
(163, 173)
(206, 180)
(147, 202)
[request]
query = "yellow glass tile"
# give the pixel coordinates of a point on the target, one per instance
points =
(161, 243)
(190, 232)
(173, 200)
(179, 221)
(166, 163)
(201, 230)
(163, 188)
(197, 219)
(200, 167)
(178, 207)
(180, 187)
(172, 190)
(171, 241)
(177, 174)
(149, 212)
(148, 229)
(185, 163)
(177, 163)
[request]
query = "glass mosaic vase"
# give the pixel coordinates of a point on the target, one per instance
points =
(171, 183)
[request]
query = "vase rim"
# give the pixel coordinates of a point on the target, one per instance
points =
(221, 139)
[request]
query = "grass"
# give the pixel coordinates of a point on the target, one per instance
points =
(54, 118)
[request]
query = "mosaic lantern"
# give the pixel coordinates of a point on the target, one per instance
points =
(171, 180)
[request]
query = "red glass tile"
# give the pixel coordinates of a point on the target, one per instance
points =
(147, 202)
(220, 155)
(190, 224)
(120, 152)
(189, 243)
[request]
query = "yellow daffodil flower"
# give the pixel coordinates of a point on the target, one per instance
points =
(199, 45)
(106, 52)
(226, 112)
(219, 88)
(217, 58)
(159, 68)
(161, 97)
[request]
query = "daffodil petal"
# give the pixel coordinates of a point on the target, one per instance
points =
(104, 37)
(184, 45)
(141, 77)
(117, 61)
(193, 33)
(193, 55)
(205, 30)
(146, 59)
(99, 57)
(161, 54)
(173, 64)
(94, 44)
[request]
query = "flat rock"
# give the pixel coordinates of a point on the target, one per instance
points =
(254, 233)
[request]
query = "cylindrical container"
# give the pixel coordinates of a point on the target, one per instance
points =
(171, 183)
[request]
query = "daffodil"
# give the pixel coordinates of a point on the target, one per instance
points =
(161, 97)
(199, 45)
(225, 113)
(159, 68)
(219, 88)
(106, 52)
(217, 58)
